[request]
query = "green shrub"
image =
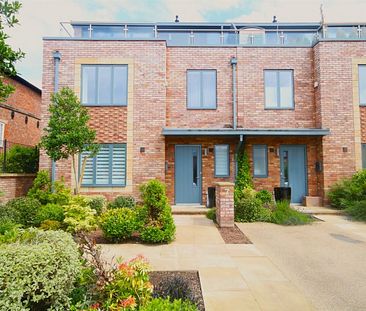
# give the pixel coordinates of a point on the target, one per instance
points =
(20, 159)
(7, 225)
(97, 203)
(51, 225)
(122, 201)
(160, 304)
(156, 214)
(211, 214)
(130, 286)
(50, 212)
(265, 196)
(37, 272)
(342, 194)
(42, 187)
(283, 214)
(244, 177)
(357, 210)
(119, 224)
(248, 208)
(79, 218)
(43, 192)
(23, 211)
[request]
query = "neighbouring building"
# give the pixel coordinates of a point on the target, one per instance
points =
(20, 115)
(178, 101)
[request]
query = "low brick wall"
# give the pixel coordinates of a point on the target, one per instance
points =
(225, 204)
(15, 185)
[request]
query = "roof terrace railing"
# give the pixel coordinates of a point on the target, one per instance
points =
(224, 35)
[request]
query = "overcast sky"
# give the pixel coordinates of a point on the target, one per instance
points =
(39, 18)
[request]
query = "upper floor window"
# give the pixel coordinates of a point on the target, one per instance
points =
(201, 89)
(279, 89)
(362, 83)
(107, 168)
(104, 85)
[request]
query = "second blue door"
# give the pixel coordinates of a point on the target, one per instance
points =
(293, 170)
(187, 174)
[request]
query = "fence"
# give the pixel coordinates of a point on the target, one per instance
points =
(18, 158)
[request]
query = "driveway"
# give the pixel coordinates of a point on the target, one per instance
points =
(325, 260)
(233, 277)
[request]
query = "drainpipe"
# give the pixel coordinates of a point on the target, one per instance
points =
(57, 59)
(233, 62)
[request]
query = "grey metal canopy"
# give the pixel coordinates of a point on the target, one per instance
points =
(247, 132)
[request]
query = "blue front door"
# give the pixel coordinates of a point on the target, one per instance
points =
(293, 170)
(187, 174)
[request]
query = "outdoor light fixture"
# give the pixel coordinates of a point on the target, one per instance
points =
(142, 149)
(26, 120)
(12, 114)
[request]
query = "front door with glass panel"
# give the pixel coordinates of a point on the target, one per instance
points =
(293, 170)
(187, 174)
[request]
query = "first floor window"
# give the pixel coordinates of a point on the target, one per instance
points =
(279, 89)
(2, 131)
(201, 89)
(362, 84)
(107, 168)
(222, 162)
(260, 165)
(363, 156)
(104, 85)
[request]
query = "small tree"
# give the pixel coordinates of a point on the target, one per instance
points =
(244, 178)
(8, 57)
(68, 133)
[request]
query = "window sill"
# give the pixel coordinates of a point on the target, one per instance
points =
(199, 108)
(290, 108)
(90, 105)
(260, 176)
(102, 186)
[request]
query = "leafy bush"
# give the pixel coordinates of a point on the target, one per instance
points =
(20, 159)
(42, 190)
(158, 223)
(160, 304)
(122, 201)
(51, 225)
(97, 203)
(23, 211)
(79, 217)
(130, 286)
(265, 196)
(342, 194)
(357, 210)
(211, 214)
(119, 224)
(248, 208)
(244, 177)
(37, 272)
(50, 211)
(283, 214)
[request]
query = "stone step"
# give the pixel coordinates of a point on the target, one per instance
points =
(183, 209)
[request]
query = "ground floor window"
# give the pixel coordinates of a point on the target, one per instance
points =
(222, 161)
(260, 161)
(107, 168)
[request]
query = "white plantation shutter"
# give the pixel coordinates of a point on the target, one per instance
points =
(107, 168)
(222, 160)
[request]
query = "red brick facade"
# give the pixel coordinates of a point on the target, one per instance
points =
(323, 93)
(22, 127)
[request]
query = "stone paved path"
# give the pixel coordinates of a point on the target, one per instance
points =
(233, 277)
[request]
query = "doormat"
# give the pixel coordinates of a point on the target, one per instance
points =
(233, 235)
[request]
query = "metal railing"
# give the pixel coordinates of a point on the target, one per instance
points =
(18, 158)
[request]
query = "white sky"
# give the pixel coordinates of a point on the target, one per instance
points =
(39, 18)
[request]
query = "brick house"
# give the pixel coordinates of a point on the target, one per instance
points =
(20, 114)
(178, 101)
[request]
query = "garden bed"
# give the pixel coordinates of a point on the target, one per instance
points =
(160, 278)
(233, 235)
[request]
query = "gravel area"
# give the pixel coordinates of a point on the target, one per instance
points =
(233, 235)
(160, 278)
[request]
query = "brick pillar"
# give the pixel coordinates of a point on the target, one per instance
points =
(225, 204)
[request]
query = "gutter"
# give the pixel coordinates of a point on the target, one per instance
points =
(57, 59)
(234, 62)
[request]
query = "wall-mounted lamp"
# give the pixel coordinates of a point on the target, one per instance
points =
(205, 152)
(344, 149)
(37, 124)
(26, 120)
(12, 114)
(142, 149)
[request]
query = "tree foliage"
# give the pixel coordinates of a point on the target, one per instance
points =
(68, 133)
(244, 177)
(8, 56)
